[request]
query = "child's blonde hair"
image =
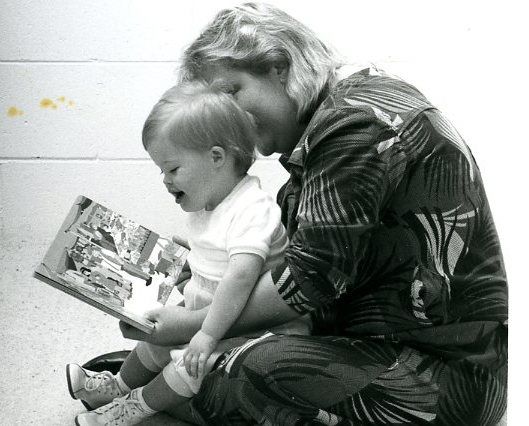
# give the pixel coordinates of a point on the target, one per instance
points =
(199, 116)
(254, 37)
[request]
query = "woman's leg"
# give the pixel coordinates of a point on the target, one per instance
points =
(295, 380)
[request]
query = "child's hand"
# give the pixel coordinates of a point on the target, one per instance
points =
(197, 353)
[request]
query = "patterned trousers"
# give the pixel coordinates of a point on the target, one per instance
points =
(310, 380)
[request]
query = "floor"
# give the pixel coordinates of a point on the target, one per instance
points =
(41, 330)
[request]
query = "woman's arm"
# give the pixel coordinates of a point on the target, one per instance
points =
(176, 325)
(265, 309)
(173, 325)
(338, 183)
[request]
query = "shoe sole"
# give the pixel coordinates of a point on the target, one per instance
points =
(70, 389)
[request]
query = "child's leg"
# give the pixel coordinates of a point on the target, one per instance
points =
(134, 373)
(139, 404)
(174, 387)
(143, 364)
(159, 396)
(139, 368)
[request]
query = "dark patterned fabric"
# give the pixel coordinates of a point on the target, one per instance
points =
(309, 380)
(394, 253)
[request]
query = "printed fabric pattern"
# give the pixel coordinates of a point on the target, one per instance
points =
(391, 233)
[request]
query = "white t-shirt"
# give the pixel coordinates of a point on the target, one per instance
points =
(248, 220)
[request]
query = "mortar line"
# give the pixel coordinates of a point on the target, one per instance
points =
(84, 159)
(85, 61)
(66, 159)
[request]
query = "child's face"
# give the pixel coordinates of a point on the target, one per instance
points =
(188, 175)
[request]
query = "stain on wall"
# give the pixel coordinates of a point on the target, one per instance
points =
(48, 103)
(14, 112)
(45, 103)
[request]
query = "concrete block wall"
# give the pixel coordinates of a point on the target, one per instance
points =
(78, 78)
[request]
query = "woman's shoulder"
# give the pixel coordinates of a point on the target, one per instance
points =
(374, 90)
(367, 97)
(370, 79)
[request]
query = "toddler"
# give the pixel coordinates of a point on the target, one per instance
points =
(203, 143)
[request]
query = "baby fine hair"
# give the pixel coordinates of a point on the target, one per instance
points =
(198, 116)
(254, 37)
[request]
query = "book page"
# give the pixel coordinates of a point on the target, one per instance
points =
(122, 267)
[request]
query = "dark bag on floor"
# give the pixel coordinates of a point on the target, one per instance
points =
(107, 362)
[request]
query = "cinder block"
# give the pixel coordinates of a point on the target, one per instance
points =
(98, 30)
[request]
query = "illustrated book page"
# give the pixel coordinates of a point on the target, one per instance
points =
(112, 263)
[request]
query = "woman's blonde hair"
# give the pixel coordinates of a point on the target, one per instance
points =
(256, 36)
(199, 116)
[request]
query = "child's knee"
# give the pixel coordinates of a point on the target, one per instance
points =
(153, 357)
(178, 380)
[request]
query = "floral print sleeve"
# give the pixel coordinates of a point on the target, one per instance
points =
(342, 186)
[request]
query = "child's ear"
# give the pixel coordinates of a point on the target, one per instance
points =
(218, 156)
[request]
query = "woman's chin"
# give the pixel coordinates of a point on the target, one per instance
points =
(265, 152)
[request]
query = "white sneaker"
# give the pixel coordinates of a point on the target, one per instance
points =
(121, 411)
(92, 388)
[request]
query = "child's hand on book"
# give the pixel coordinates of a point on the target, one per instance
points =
(197, 353)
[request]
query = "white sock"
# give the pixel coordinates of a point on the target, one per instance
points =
(148, 410)
(121, 384)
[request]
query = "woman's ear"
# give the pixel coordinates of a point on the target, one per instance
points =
(217, 155)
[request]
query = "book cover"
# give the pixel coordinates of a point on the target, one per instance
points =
(112, 263)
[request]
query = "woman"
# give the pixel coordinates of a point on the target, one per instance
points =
(392, 250)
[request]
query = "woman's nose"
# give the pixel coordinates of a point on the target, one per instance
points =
(166, 179)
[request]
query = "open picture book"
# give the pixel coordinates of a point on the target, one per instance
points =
(112, 263)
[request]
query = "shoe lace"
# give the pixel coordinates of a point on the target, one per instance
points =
(103, 380)
(123, 408)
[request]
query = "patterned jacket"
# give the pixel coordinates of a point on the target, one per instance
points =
(391, 232)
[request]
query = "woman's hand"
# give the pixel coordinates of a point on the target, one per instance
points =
(183, 278)
(173, 325)
(181, 241)
(185, 274)
(197, 353)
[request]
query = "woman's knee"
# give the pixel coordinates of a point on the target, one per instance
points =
(473, 393)
(261, 356)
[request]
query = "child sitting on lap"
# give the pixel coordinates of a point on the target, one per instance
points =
(204, 144)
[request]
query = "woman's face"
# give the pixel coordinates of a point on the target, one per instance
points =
(264, 97)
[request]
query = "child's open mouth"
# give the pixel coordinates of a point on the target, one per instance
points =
(178, 195)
